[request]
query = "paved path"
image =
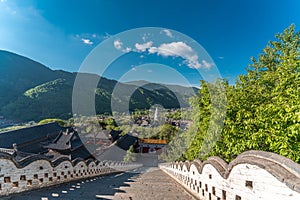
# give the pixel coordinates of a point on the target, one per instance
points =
(139, 184)
(152, 185)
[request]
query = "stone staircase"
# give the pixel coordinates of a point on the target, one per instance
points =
(154, 184)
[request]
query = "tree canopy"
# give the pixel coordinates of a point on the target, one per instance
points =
(263, 107)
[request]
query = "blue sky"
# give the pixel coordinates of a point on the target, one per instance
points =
(60, 34)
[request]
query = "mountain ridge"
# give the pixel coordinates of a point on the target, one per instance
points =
(31, 91)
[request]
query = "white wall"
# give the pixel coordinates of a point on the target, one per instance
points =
(249, 177)
(41, 173)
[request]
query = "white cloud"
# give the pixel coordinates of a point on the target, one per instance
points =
(168, 33)
(173, 49)
(207, 64)
(149, 71)
(86, 41)
(96, 37)
(178, 49)
(2, 1)
(221, 57)
(87, 38)
(143, 47)
(127, 49)
(133, 69)
(118, 44)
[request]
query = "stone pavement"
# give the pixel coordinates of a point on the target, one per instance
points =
(139, 184)
(154, 185)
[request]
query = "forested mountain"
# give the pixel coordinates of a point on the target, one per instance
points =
(18, 74)
(32, 91)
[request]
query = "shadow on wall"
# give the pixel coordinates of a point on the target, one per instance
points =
(39, 172)
(252, 175)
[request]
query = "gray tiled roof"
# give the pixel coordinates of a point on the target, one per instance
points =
(62, 142)
(29, 139)
(69, 143)
(126, 141)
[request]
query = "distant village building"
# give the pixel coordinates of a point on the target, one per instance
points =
(118, 149)
(152, 146)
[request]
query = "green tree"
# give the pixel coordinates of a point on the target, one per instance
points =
(61, 122)
(130, 155)
(167, 132)
(263, 107)
(208, 113)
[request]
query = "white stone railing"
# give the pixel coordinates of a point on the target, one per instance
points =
(252, 175)
(39, 173)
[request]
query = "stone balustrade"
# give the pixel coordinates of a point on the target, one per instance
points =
(252, 175)
(35, 172)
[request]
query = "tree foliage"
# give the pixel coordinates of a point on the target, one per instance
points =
(263, 107)
(130, 156)
(61, 122)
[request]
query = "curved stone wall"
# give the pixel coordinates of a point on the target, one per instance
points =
(36, 172)
(252, 175)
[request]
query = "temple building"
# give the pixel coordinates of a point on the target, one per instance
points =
(47, 140)
(30, 139)
(68, 143)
